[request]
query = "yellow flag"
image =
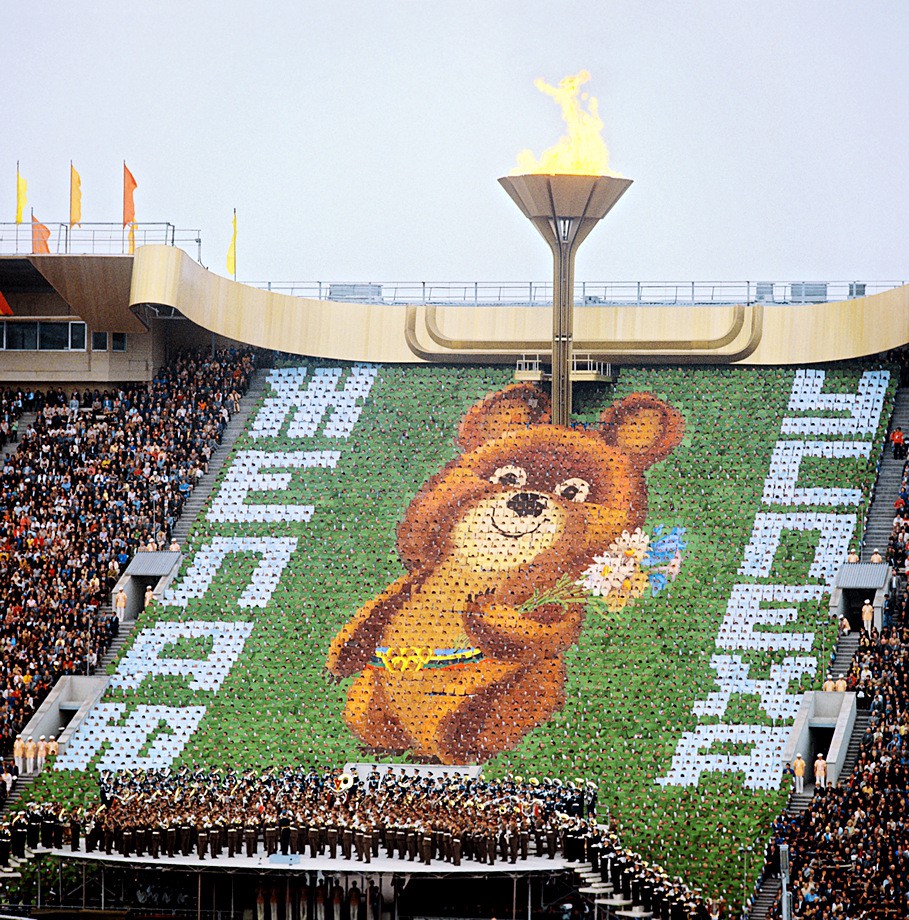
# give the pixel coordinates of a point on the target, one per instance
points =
(75, 196)
(21, 195)
(132, 238)
(232, 250)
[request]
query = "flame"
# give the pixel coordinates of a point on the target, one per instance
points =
(582, 152)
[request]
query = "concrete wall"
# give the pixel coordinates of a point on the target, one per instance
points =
(84, 691)
(822, 710)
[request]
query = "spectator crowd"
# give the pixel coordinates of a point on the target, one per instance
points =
(850, 849)
(95, 477)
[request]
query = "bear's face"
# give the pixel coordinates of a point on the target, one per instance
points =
(542, 490)
(529, 494)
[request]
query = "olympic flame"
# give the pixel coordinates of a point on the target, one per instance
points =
(582, 152)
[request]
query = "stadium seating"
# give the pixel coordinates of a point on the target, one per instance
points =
(93, 479)
(327, 470)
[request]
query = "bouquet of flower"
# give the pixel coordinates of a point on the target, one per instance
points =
(633, 561)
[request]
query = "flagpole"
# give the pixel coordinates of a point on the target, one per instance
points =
(17, 206)
(123, 228)
(69, 228)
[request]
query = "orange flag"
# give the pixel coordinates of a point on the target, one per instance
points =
(40, 236)
(5, 308)
(129, 205)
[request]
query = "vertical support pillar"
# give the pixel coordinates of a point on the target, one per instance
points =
(562, 324)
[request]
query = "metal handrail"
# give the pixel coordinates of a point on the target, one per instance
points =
(586, 293)
(97, 238)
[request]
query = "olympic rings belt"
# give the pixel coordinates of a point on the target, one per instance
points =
(417, 657)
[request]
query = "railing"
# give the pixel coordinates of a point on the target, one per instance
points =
(586, 293)
(97, 239)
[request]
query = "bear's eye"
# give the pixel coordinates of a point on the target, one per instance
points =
(509, 476)
(573, 490)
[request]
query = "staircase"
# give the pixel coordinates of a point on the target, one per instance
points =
(19, 786)
(846, 647)
(765, 898)
(26, 419)
(769, 889)
(201, 493)
(859, 730)
(880, 514)
(119, 641)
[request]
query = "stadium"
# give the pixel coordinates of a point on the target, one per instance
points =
(373, 601)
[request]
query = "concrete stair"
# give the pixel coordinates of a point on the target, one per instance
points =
(846, 647)
(880, 514)
(202, 492)
(765, 898)
(119, 641)
(859, 730)
(19, 786)
(26, 419)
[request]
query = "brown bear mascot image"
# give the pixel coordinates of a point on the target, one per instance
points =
(456, 662)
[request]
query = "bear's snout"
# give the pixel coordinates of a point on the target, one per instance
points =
(527, 504)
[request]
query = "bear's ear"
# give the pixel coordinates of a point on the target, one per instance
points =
(510, 409)
(643, 426)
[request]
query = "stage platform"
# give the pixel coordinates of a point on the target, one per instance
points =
(324, 865)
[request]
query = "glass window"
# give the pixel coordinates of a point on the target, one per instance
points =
(118, 341)
(99, 341)
(53, 336)
(77, 336)
(22, 336)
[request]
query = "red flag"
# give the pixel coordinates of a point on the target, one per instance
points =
(40, 236)
(5, 308)
(129, 205)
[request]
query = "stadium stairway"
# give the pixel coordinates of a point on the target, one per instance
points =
(26, 419)
(19, 786)
(235, 427)
(862, 721)
(119, 641)
(880, 514)
(846, 647)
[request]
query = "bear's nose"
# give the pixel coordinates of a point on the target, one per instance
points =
(527, 504)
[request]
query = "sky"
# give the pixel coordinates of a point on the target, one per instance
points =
(361, 140)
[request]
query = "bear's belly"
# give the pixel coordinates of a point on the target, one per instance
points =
(422, 698)
(433, 620)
